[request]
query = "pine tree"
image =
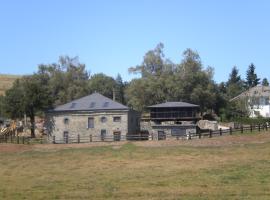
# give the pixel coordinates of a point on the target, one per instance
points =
(251, 77)
(265, 82)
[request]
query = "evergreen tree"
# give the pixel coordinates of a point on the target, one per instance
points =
(251, 77)
(234, 85)
(265, 82)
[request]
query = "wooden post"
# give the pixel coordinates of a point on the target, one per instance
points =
(259, 126)
(242, 129)
(152, 135)
(250, 127)
(210, 133)
(266, 127)
(91, 139)
(54, 139)
(177, 137)
(189, 136)
(23, 139)
(220, 131)
(230, 130)
(11, 138)
(18, 140)
(78, 138)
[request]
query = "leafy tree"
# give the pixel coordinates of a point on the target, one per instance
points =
(251, 77)
(154, 63)
(265, 82)
(102, 84)
(28, 96)
(2, 106)
(68, 79)
(163, 80)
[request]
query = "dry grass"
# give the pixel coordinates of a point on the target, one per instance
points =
(239, 170)
(6, 82)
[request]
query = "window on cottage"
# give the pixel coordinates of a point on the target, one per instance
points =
(117, 119)
(106, 104)
(103, 119)
(90, 122)
(267, 101)
(66, 121)
(92, 105)
(72, 105)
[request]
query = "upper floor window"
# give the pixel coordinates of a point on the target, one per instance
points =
(117, 119)
(90, 122)
(103, 119)
(66, 121)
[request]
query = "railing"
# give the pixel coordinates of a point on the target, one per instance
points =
(173, 114)
(136, 137)
(21, 140)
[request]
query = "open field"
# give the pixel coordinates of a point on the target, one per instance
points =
(6, 82)
(229, 167)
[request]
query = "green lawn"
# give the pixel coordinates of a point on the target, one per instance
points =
(132, 172)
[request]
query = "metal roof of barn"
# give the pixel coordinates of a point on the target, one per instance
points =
(173, 105)
(91, 102)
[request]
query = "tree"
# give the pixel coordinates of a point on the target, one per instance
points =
(235, 84)
(251, 77)
(162, 80)
(154, 63)
(28, 96)
(102, 84)
(265, 82)
(68, 79)
(119, 89)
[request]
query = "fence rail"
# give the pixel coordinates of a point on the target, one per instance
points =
(138, 137)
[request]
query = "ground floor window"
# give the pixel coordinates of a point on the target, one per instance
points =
(178, 132)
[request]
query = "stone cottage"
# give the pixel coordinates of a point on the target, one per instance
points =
(91, 118)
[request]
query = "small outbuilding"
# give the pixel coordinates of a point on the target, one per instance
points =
(171, 119)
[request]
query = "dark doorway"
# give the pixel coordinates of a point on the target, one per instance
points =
(117, 136)
(161, 135)
(102, 134)
(65, 137)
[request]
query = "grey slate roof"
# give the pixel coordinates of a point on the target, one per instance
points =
(173, 105)
(257, 91)
(91, 102)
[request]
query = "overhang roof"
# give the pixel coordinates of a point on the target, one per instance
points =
(174, 105)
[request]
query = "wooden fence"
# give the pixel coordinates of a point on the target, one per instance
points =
(138, 137)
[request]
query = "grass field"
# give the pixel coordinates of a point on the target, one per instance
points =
(6, 82)
(228, 167)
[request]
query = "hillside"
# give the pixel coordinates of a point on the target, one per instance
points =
(6, 82)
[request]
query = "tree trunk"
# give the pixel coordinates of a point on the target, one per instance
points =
(32, 121)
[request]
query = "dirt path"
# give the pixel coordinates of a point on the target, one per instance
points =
(205, 142)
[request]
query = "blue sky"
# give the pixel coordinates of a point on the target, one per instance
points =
(110, 36)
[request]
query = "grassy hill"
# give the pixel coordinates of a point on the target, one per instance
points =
(229, 167)
(6, 82)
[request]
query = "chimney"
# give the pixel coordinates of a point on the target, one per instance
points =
(113, 94)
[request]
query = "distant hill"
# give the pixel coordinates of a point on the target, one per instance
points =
(6, 82)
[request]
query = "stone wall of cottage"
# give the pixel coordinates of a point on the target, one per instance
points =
(77, 123)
